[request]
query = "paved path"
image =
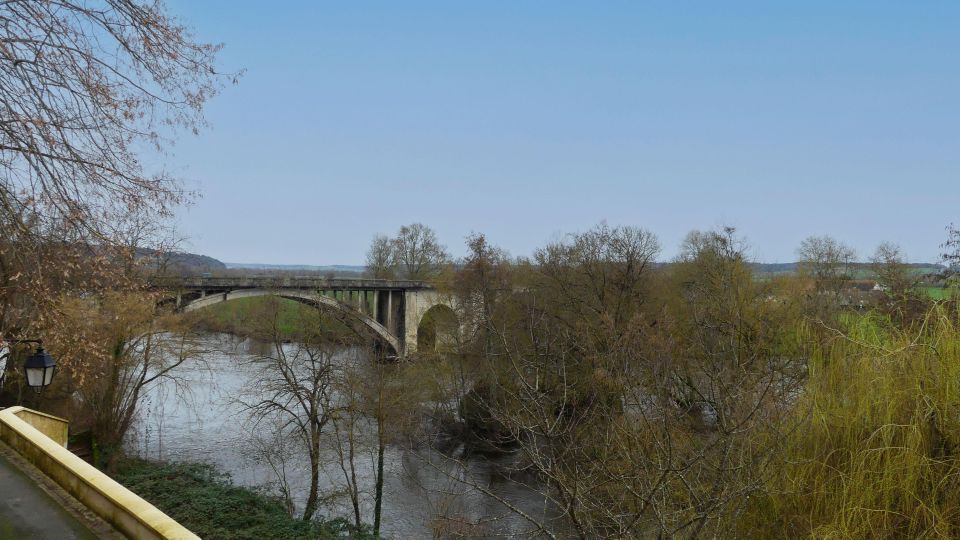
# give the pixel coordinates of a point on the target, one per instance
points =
(27, 512)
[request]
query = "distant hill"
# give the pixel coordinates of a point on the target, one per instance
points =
(181, 262)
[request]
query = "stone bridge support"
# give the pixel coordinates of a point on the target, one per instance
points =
(416, 305)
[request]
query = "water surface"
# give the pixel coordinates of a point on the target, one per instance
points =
(200, 416)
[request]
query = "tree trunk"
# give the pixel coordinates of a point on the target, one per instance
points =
(354, 487)
(311, 506)
(378, 497)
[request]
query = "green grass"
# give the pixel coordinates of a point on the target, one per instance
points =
(937, 293)
(205, 501)
(244, 316)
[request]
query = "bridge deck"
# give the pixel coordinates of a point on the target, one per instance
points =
(269, 282)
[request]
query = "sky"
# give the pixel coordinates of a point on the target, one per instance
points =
(527, 121)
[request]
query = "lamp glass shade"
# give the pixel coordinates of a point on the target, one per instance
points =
(4, 356)
(39, 368)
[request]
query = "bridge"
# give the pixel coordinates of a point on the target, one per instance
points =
(395, 311)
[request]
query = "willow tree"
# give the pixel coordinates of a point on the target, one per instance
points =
(85, 88)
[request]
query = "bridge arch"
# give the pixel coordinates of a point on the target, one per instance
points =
(417, 305)
(437, 329)
(304, 296)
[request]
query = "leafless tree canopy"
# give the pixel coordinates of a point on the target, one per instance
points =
(951, 248)
(601, 272)
(417, 252)
(380, 258)
(902, 295)
(85, 89)
(84, 86)
(414, 253)
(827, 260)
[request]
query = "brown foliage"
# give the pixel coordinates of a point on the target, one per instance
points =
(638, 411)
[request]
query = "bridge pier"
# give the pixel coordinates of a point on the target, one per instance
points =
(388, 318)
(416, 305)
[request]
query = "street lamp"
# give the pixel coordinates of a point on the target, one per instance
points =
(39, 368)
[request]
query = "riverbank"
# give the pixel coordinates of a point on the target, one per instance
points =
(247, 317)
(206, 501)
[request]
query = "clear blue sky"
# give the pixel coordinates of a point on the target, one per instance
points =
(527, 120)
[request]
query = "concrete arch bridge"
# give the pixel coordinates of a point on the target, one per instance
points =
(402, 314)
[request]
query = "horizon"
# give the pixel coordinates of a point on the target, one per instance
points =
(526, 122)
(234, 264)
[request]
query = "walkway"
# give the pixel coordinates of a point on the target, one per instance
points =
(28, 512)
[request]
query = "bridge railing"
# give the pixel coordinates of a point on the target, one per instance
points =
(266, 282)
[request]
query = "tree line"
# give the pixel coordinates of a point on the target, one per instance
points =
(662, 399)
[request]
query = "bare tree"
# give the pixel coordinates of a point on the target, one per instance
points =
(380, 258)
(552, 382)
(892, 272)
(348, 443)
(951, 250)
(483, 280)
(294, 386)
(724, 373)
(827, 260)
(274, 448)
(899, 282)
(83, 85)
(601, 273)
(417, 254)
(370, 393)
(829, 264)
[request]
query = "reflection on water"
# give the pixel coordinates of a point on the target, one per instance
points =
(200, 417)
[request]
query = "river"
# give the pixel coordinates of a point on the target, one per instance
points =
(200, 417)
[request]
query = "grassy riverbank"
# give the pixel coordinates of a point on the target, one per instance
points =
(246, 317)
(205, 501)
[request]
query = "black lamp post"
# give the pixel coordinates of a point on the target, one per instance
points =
(39, 368)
